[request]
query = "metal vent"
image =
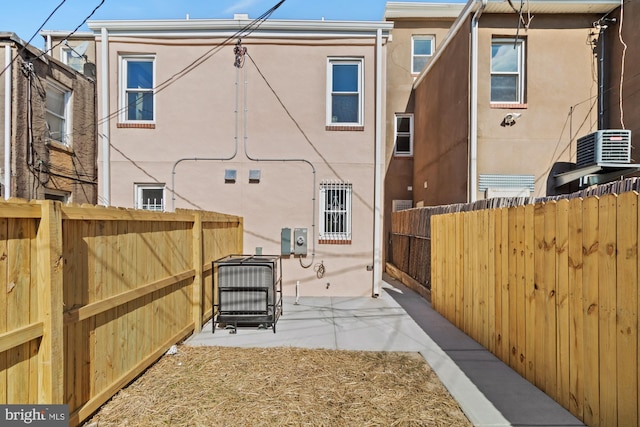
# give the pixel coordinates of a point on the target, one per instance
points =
(604, 146)
(506, 181)
(400, 205)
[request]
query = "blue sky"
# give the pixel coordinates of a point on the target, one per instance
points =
(24, 17)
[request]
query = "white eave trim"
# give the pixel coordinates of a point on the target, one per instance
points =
(222, 27)
(422, 10)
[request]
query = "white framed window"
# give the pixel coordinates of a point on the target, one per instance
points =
(422, 48)
(335, 211)
(137, 83)
(57, 195)
(344, 91)
(74, 57)
(150, 197)
(58, 113)
(507, 71)
(403, 135)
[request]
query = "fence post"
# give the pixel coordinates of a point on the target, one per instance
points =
(50, 304)
(240, 236)
(197, 293)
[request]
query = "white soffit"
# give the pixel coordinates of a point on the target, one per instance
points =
(552, 6)
(398, 10)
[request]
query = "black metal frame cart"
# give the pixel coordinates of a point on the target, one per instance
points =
(249, 290)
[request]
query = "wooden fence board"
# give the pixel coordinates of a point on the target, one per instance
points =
(562, 302)
(467, 290)
(549, 292)
(3, 306)
(627, 306)
(576, 316)
(529, 293)
(513, 291)
(521, 331)
(459, 274)
(539, 294)
(491, 283)
(607, 316)
(483, 280)
(504, 294)
(591, 241)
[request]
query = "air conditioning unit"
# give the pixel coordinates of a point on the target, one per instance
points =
(610, 146)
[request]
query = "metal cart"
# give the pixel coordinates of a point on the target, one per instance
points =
(249, 290)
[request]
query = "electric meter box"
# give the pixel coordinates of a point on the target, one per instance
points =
(300, 241)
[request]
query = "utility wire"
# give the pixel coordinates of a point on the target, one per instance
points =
(76, 29)
(32, 37)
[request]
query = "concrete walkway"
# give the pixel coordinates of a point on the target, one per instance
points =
(488, 391)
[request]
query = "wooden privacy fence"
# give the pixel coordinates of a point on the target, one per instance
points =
(552, 290)
(92, 296)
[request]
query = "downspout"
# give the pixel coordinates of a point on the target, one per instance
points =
(473, 111)
(48, 45)
(106, 149)
(7, 120)
(377, 206)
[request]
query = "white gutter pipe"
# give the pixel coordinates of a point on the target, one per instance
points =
(106, 149)
(473, 110)
(377, 205)
(7, 120)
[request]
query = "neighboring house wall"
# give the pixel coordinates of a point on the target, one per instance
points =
(441, 129)
(194, 130)
(556, 107)
(619, 70)
(560, 98)
(431, 22)
(77, 50)
(53, 135)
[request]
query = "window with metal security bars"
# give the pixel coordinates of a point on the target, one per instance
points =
(335, 212)
(150, 197)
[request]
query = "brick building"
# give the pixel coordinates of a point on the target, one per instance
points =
(48, 127)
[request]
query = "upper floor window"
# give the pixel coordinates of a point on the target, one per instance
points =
(421, 52)
(344, 92)
(507, 71)
(335, 212)
(150, 197)
(137, 101)
(75, 56)
(403, 135)
(58, 112)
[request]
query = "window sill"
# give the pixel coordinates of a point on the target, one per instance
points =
(334, 242)
(344, 128)
(509, 106)
(403, 156)
(137, 125)
(59, 146)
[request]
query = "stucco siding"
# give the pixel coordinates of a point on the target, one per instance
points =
(441, 141)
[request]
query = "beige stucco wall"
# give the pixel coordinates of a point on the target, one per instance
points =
(561, 90)
(195, 118)
(398, 183)
(441, 131)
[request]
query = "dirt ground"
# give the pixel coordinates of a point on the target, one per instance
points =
(216, 386)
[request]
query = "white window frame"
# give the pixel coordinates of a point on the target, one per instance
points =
(139, 197)
(347, 61)
(416, 55)
(58, 195)
(520, 72)
(397, 133)
(326, 231)
(66, 137)
(124, 60)
(67, 51)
